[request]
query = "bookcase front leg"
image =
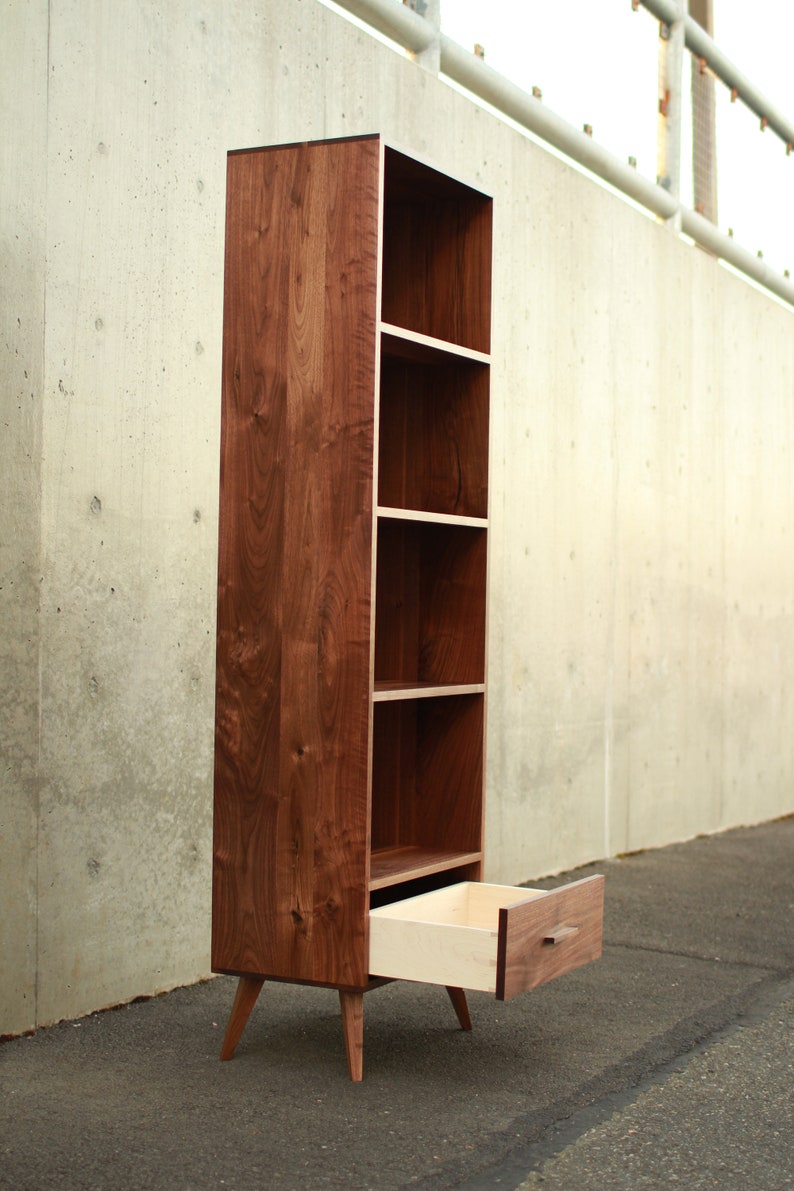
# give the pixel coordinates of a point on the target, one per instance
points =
(245, 998)
(352, 1004)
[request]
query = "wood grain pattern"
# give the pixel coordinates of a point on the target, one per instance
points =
(397, 610)
(427, 778)
(406, 862)
(436, 255)
(433, 939)
(352, 1006)
(289, 892)
(430, 603)
(248, 989)
(527, 956)
(448, 806)
(394, 747)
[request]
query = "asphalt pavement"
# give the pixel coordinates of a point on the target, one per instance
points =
(669, 1062)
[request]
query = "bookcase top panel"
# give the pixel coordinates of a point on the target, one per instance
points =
(410, 170)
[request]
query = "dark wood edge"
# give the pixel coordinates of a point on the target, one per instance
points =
(467, 183)
(331, 140)
(373, 982)
(595, 878)
(501, 954)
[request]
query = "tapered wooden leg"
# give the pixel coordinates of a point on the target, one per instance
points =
(353, 1025)
(245, 998)
(458, 998)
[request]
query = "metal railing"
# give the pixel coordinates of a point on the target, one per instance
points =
(423, 38)
(703, 47)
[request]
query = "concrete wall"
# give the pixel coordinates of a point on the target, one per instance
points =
(23, 173)
(643, 447)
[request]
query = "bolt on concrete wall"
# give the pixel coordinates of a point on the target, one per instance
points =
(642, 450)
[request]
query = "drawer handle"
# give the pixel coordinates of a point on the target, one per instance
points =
(559, 934)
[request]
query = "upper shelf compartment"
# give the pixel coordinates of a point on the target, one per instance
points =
(436, 254)
(433, 439)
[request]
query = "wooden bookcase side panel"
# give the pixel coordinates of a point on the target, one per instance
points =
(294, 608)
(433, 443)
(430, 603)
(248, 641)
(437, 236)
(427, 784)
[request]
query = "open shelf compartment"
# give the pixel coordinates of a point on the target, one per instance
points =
(433, 439)
(430, 603)
(436, 253)
(427, 787)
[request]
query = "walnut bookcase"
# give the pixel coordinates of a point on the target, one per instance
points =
(350, 696)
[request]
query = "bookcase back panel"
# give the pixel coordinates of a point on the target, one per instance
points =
(430, 615)
(436, 254)
(433, 443)
(427, 783)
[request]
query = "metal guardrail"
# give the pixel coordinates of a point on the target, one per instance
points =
(702, 46)
(420, 37)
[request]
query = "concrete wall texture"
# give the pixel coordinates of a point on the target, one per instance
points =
(642, 568)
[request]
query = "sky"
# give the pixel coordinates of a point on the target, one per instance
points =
(597, 63)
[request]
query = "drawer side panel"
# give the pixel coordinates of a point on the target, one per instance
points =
(433, 953)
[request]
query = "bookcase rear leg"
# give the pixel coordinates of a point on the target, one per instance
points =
(458, 998)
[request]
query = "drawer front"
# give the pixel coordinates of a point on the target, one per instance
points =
(541, 939)
(495, 938)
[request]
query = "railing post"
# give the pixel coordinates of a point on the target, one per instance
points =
(668, 144)
(414, 24)
(430, 10)
(704, 136)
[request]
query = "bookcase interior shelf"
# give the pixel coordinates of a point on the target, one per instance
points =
(401, 863)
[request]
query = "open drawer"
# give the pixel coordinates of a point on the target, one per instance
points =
(497, 938)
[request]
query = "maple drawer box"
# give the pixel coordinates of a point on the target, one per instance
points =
(496, 938)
